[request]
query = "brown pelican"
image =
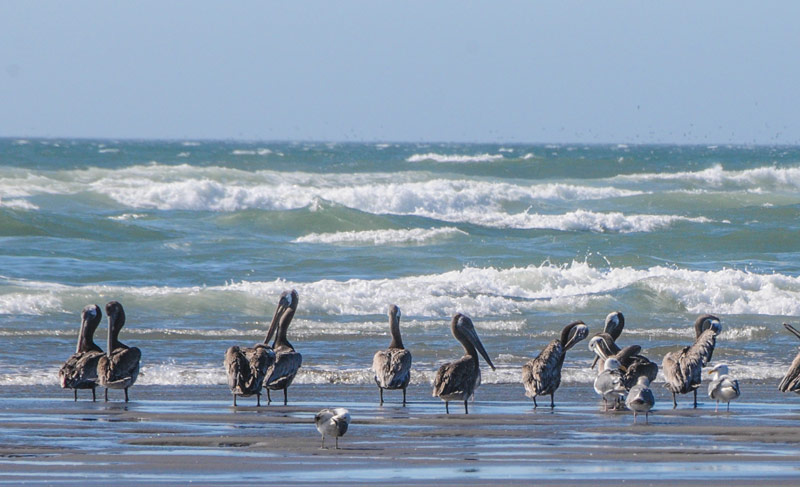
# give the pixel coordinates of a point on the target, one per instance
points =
(119, 368)
(612, 329)
(281, 374)
(332, 422)
(458, 380)
(80, 370)
(632, 363)
(722, 387)
(791, 381)
(247, 367)
(609, 382)
(542, 376)
(640, 398)
(392, 366)
(683, 369)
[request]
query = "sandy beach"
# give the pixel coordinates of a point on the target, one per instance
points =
(193, 435)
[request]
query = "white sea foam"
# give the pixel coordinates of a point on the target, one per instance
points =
(128, 216)
(251, 152)
(383, 237)
(18, 204)
(762, 178)
(476, 291)
(432, 156)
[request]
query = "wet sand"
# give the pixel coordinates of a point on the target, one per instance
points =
(193, 435)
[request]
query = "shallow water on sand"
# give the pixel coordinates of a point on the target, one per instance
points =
(193, 434)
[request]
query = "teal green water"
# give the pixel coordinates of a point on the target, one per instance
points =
(198, 239)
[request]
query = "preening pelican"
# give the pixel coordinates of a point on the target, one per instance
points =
(392, 366)
(542, 375)
(80, 370)
(609, 383)
(247, 367)
(791, 381)
(282, 372)
(612, 329)
(640, 398)
(119, 368)
(458, 380)
(332, 422)
(683, 369)
(722, 387)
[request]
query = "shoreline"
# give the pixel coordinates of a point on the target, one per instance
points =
(193, 435)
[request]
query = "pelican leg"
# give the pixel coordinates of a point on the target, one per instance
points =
(729, 407)
(258, 399)
(695, 398)
(646, 416)
(106, 394)
(466, 409)
(674, 402)
(552, 401)
(285, 396)
(447, 406)
(381, 389)
(94, 395)
(126, 394)
(404, 396)
(534, 403)
(337, 442)
(234, 400)
(269, 399)
(75, 394)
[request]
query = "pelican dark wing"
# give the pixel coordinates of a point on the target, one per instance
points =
(683, 369)
(247, 368)
(119, 368)
(541, 376)
(791, 380)
(392, 367)
(287, 361)
(80, 369)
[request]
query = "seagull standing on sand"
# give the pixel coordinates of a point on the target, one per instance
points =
(640, 398)
(247, 367)
(332, 422)
(609, 383)
(722, 387)
(542, 375)
(791, 381)
(458, 380)
(287, 361)
(80, 370)
(683, 369)
(633, 364)
(119, 368)
(392, 366)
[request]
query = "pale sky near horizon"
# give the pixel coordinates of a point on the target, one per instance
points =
(592, 72)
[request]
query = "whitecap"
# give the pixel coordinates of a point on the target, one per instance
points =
(449, 158)
(417, 236)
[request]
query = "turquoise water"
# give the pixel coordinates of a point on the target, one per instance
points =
(198, 239)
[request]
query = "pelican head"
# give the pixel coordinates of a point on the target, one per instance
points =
(116, 320)
(719, 369)
(612, 364)
(394, 312)
(573, 333)
(287, 301)
(614, 324)
(90, 320)
(464, 331)
(707, 322)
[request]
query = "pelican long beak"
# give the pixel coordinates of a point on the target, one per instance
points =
(792, 330)
(473, 337)
(274, 324)
(594, 362)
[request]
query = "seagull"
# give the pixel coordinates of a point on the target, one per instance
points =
(80, 370)
(542, 375)
(640, 398)
(791, 381)
(392, 366)
(683, 369)
(609, 382)
(332, 422)
(458, 380)
(722, 387)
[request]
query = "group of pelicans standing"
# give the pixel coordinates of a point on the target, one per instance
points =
(625, 376)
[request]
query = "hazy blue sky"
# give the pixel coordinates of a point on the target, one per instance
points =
(610, 71)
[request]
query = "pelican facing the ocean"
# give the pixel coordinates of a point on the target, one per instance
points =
(119, 368)
(458, 380)
(287, 361)
(392, 366)
(80, 370)
(542, 375)
(683, 369)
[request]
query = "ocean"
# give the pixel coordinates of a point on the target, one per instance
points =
(197, 239)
